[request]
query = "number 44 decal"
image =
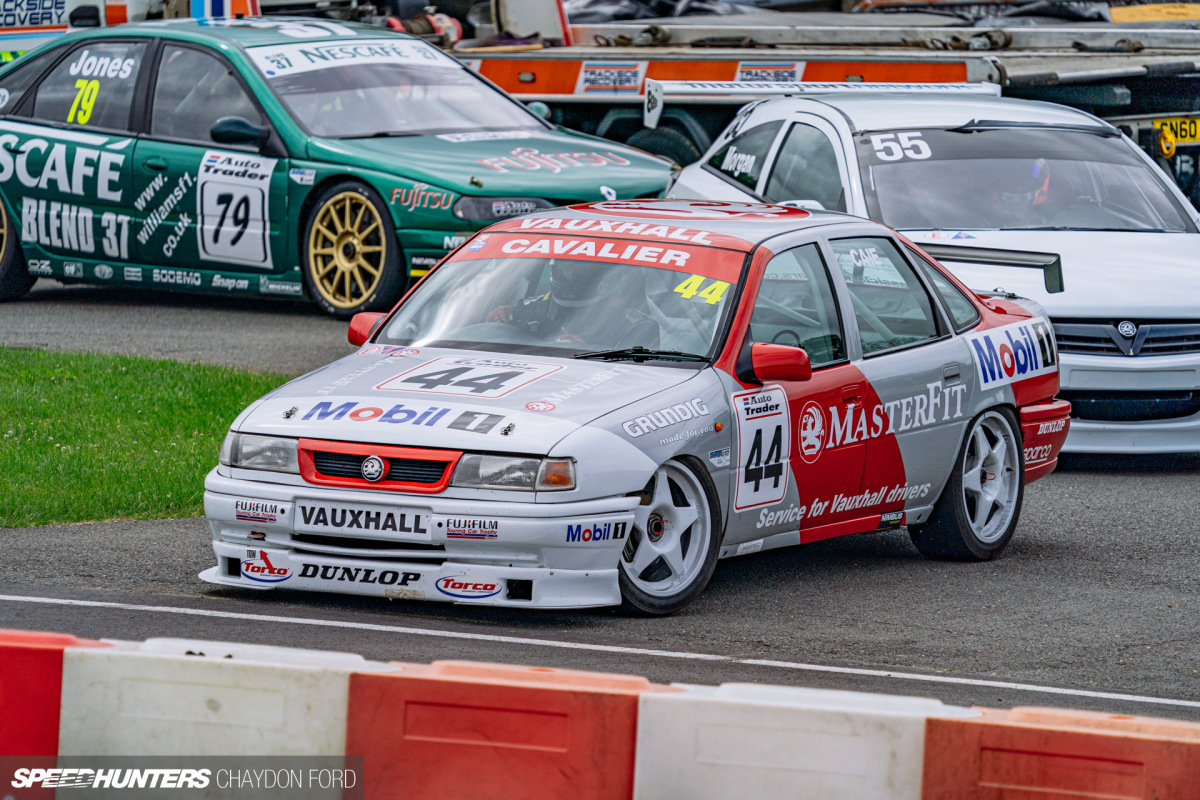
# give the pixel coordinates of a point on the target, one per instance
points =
(764, 446)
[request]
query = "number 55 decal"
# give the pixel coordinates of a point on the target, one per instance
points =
(895, 146)
(233, 200)
(764, 446)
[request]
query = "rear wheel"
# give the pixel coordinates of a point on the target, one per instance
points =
(351, 258)
(15, 280)
(978, 511)
(666, 142)
(671, 552)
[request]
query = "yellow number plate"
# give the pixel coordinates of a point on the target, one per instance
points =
(1186, 130)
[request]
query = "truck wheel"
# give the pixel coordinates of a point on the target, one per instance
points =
(15, 280)
(666, 142)
(672, 550)
(351, 258)
(977, 513)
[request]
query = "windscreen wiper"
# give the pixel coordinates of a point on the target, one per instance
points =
(379, 135)
(639, 354)
(977, 125)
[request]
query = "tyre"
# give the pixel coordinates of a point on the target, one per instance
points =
(672, 549)
(666, 142)
(351, 258)
(977, 513)
(15, 280)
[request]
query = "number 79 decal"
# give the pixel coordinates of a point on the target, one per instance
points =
(764, 447)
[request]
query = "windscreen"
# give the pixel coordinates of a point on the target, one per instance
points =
(1013, 179)
(386, 87)
(566, 295)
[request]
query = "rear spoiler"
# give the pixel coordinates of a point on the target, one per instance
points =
(1049, 263)
(656, 91)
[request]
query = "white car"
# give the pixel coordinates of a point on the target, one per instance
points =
(968, 176)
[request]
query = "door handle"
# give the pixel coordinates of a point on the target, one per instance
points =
(852, 394)
(951, 374)
(154, 162)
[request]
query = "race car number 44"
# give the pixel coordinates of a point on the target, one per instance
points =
(764, 446)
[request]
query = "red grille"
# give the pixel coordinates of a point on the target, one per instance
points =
(409, 469)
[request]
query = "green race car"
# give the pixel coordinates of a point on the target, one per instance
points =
(271, 156)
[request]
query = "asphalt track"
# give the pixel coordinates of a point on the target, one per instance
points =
(1094, 605)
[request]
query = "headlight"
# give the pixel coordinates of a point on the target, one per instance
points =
(491, 209)
(260, 452)
(514, 473)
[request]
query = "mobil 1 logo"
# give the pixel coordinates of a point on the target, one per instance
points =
(764, 446)
(232, 207)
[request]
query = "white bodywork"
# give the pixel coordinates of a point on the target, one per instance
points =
(1113, 276)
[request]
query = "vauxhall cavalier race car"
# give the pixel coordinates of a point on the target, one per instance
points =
(973, 178)
(271, 156)
(589, 406)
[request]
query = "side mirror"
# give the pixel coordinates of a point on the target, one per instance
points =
(362, 325)
(84, 17)
(238, 130)
(539, 109)
(778, 362)
(807, 205)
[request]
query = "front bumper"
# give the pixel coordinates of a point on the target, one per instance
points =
(1118, 374)
(416, 547)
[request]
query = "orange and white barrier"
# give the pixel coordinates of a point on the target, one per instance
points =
(31, 673)
(472, 730)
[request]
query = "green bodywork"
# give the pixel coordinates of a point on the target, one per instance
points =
(112, 207)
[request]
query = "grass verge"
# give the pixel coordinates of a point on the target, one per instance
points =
(87, 437)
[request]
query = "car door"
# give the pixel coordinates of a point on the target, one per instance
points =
(736, 163)
(809, 166)
(203, 205)
(68, 151)
(796, 306)
(918, 374)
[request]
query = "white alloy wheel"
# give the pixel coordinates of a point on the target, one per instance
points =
(671, 551)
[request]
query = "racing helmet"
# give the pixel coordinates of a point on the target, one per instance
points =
(1022, 183)
(580, 283)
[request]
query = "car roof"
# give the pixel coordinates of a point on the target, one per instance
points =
(250, 32)
(872, 112)
(740, 226)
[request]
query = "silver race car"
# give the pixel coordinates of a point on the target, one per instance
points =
(974, 178)
(589, 406)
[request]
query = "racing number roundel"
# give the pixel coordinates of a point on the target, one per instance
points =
(813, 431)
(764, 446)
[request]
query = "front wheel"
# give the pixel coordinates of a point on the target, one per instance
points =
(977, 513)
(672, 550)
(15, 280)
(351, 258)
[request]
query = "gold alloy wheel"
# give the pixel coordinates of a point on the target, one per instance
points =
(346, 250)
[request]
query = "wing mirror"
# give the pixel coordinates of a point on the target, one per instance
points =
(807, 205)
(778, 362)
(239, 130)
(87, 16)
(362, 325)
